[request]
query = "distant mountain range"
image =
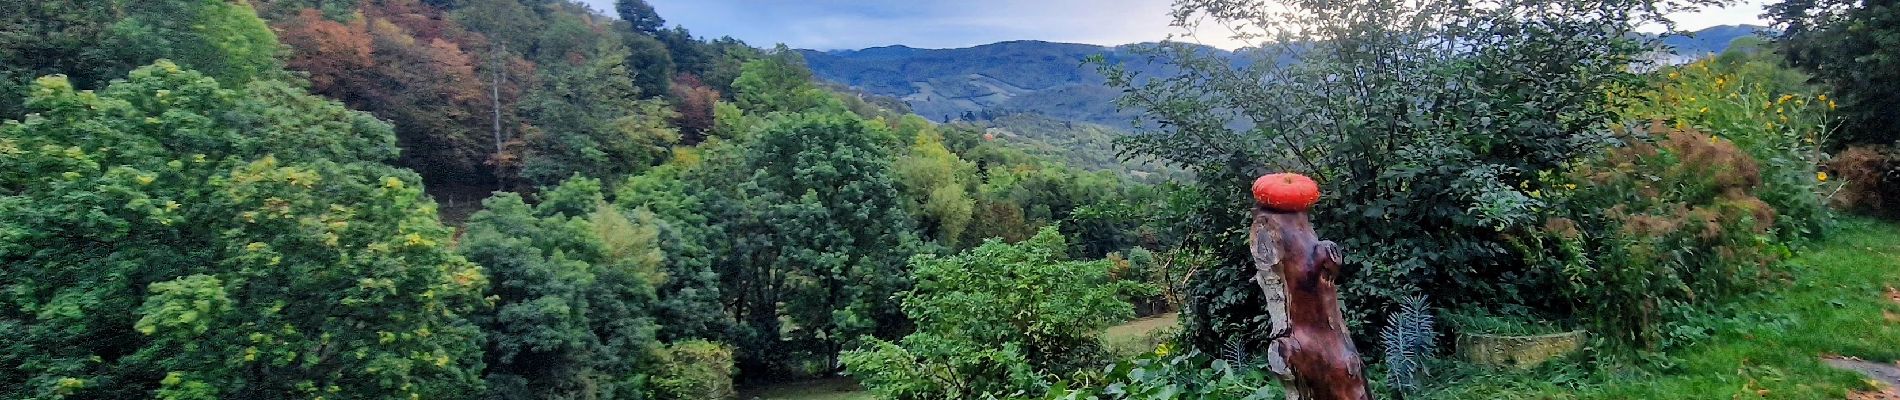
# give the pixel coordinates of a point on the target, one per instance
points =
(1051, 79)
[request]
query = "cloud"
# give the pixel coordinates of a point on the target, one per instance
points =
(852, 24)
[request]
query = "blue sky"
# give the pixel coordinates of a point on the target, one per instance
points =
(848, 24)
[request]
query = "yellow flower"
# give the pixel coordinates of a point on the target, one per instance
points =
(1821, 97)
(1822, 176)
(1705, 110)
(1830, 104)
(1163, 350)
(392, 183)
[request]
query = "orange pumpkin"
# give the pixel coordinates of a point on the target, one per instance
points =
(1286, 191)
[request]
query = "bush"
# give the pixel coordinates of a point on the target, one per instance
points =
(994, 321)
(694, 370)
(1870, 177)
(1761, 108)
(1642, 234)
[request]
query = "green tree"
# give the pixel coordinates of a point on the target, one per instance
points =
(935, 183)
(573, 288)
(592, 126)
(1425, 123)
(95, 41)
(649, 65)
(779, 82)
(156, 243)
(1853, 47)
(690, 298)
(640, 16)
(994, 320)
(804, 226)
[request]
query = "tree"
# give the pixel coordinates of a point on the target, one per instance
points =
(1848, 46)
(1426, 123)
(806, 230)
(691, 296)
(640, 16)
(170, 237)
(649, 65)
(95, 41)
(693, 102)
(573, 288)
(935, 183)
(591, 126)
(993, 321)
(780, 82)
(427, 76)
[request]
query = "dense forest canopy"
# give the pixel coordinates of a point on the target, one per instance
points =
(527, 199)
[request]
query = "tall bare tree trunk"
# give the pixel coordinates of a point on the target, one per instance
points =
(1297, 272)
(494, 98)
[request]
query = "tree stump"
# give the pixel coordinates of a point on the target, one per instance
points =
(1310, 349)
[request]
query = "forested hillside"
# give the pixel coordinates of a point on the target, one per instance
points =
(212, 199)
(532, 199)
(1055, 79)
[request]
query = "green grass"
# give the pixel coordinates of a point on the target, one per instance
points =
(1141, 335)
(824, 389)
(1765, 346)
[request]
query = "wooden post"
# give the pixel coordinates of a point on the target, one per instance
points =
(1297, 272)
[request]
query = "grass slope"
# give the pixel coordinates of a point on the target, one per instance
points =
(1769, 346)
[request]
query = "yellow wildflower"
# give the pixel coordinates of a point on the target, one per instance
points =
(1830, 104)
(392, 183)
(1705, 110)
(1163, 350)
(1821, 97)
(1822, 176)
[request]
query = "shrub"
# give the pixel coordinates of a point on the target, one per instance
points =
(1761, 108)
(1870, 177)
(694, 370)
(1638, 236)
(995, 320)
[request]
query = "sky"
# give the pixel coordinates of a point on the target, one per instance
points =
(855, 24)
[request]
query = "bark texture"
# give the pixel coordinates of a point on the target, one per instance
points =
(1297, 272)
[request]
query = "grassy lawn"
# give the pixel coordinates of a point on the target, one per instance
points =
(1839, 303)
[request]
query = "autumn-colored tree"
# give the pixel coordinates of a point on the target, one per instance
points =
(693, 103)
(405, 62)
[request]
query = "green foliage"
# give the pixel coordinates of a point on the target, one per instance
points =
(609, 135)
(1762, 108)
(1189, 375)
(573, 287)
(935, 182)
(1849, 47)
(779, 82)
(694, 370)
(821, 185)
(157, 244)
(639, 15)
(1649, 232)
(95, 41)
(1408, 340)
(994, 321)
(1758, 346)
(690, 297)
(1423, 153)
